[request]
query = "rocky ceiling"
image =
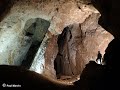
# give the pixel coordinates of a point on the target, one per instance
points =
(64, 33)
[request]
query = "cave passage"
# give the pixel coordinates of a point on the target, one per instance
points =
(36, 32)
(62, 63)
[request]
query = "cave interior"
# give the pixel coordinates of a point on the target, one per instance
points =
(35, 53)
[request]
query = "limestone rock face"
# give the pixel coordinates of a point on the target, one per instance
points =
(77, 22)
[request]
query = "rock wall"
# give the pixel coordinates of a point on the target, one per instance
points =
(80, 43)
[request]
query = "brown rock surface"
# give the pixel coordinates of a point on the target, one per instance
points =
(80, 43)
(50, 55)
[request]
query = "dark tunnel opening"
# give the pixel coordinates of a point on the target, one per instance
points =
(36, 33)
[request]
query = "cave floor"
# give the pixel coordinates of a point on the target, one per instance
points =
(69, 80)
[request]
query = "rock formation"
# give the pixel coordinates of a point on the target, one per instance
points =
(66, 30)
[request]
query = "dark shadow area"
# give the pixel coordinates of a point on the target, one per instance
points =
(93, 77)
(5, 6)
(16, 75)
(112, 54)
(27, 62)
(110, 15)
(58, 65)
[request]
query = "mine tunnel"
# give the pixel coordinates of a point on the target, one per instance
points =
(54, 44)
